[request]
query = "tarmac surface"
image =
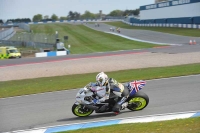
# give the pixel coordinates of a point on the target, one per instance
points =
(148, 35)
(168, 95)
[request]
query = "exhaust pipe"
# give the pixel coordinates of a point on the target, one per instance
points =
(91, 107)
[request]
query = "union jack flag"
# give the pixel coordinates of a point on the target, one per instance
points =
(136, 85)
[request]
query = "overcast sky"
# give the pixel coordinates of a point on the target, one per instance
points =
(12, 9)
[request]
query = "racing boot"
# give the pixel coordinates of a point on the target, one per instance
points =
(124, 105)
(118, 106)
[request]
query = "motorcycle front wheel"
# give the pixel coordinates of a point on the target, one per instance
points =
(138, 101)
(81, 111)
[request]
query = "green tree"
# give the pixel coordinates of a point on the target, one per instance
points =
(116, 13)
(77, 15)
(88, 15)
(46, 17)
(63, 18)
(37, 18)
(73, 15)
(1, 21)
(136, 12)
(70, 15)
(131, 12)
(54, 17)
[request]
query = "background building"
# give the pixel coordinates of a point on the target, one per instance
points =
(157, 1)
(174, 11)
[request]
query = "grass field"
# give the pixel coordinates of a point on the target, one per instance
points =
(85, 40)
(177, 31)
(49, 84)
(190, 125)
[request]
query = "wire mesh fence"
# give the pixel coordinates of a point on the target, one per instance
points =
(5, 34)
(34, 37)
(27, 44)
(24, 26)
(26, 39)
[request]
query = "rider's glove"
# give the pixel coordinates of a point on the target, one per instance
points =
(95, 101)
(88, 86)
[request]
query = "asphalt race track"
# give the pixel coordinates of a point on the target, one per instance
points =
(171, 95)
(148, 35)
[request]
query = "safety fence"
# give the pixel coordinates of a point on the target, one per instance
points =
(5, 33)
(24, 26)
(34, 37)
(61, 21)
(27, 44)
(125, 20)
(9, 37)
(194, 26)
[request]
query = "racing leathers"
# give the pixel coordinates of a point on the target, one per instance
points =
(111, 85)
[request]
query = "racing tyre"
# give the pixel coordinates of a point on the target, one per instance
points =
(138, 101)
(81, 111)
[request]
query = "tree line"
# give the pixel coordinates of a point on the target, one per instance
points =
(73, 15)
(125, 13)
(18, 20)
(86, 15)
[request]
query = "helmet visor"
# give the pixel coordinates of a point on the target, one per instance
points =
(100, 80)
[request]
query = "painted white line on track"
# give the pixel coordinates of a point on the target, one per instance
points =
(138, 119)
(130, 38)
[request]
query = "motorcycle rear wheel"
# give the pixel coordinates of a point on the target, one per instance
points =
(79, 111)
(140, 100)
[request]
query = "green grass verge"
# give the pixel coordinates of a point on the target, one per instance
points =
(48, 84)
(85, 40)
(189, 125)
(177, 31)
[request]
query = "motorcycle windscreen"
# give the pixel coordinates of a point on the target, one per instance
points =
(81, 95)
(135, 86)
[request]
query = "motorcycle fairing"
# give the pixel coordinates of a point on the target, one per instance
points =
(135, 86)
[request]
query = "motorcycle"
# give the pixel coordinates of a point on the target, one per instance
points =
(84, 105)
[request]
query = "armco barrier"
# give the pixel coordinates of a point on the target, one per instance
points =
(6, 34)
(62, 21)
(52, 53)
(194, 26)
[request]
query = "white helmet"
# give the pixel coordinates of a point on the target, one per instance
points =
(101, 78)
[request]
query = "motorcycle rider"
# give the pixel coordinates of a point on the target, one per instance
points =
(106, 95)
(110, 86)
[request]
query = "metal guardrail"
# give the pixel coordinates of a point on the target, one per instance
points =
(26, 44)
(9, 37)
(34, 37)
(5, 34)
(194, 26)
(24, 26)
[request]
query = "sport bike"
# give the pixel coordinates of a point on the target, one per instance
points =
(84, 105)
